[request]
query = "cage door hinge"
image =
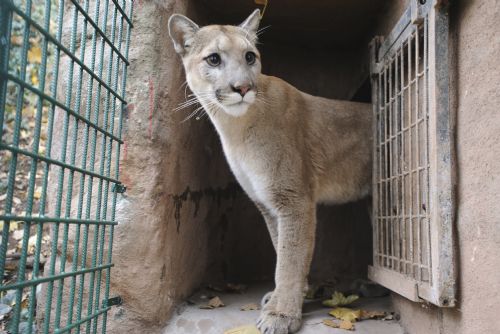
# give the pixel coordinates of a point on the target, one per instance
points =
(114, 301)
(119, 188)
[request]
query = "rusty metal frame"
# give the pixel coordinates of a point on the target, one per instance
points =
(413, 200)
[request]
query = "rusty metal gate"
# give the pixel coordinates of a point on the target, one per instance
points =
(412, 177)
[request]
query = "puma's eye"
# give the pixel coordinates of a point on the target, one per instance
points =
(213, 59)
(250, 57)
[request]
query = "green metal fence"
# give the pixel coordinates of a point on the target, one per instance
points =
(63, 68)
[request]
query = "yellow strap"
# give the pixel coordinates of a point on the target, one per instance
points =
(262, 2)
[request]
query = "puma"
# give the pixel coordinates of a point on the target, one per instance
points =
(288, 150)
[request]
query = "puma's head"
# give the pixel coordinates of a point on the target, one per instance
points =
(221, 62)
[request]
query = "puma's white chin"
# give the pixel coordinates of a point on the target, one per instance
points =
(239, 106)
(237, 109)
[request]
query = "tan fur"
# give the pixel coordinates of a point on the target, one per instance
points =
(289, 150)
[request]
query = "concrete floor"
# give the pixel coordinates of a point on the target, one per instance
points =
(190, 319)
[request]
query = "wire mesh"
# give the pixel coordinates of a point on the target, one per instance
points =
(63, 68)
(402, 160)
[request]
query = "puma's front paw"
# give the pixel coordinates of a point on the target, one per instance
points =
(271, 322)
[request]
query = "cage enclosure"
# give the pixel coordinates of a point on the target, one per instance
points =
(321, 48)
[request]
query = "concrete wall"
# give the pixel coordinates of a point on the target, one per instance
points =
(475, 74)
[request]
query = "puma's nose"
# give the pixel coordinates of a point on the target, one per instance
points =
(241, 89)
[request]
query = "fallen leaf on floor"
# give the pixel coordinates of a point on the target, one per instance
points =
(213, 303)
(372, 315)
(12, 227)
(347, 325)
(250, 307)
(338, 299)
(38, 193)
(249, 329)
(35, 55)
(346, 314)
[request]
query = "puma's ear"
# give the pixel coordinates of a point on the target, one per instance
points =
(251, 24)
(181, 30)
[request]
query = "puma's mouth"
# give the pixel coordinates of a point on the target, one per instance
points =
(233, 99)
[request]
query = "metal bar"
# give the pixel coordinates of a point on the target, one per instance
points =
(66, 108)
(57, 220)
(92, 162)
(443, 200)
(84, 163)
(60, 184)
(394, 35)
(96, 27)
(109, 78)
(65, 50)
(117, 169)
(48, 279)
(410, 154)
(14, 328)
(109, 146)
(124, 16)
(82, 321)
(31, 186)
(426, 99)
(402, 162)
(394, 281)
(5, 30)
(69, 190)
(56, 162)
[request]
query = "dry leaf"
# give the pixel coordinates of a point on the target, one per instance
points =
(347, 325)
(16, 200)
(249, 329)
(338, 299)
(35, 55)
(34, 78)
(372, 314)
(12, 227)
(250, 307)
(331, 323)
(213, 303)
(346, 314)
(38, 193)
